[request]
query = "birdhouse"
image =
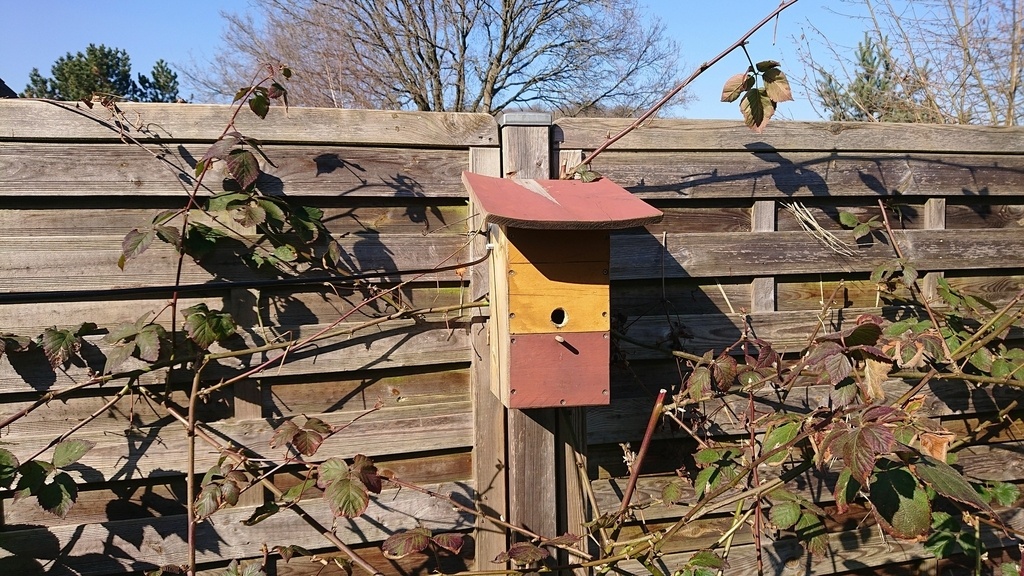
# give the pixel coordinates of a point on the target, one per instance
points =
(549, 284)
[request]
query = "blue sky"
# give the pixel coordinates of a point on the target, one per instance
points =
(35, 33)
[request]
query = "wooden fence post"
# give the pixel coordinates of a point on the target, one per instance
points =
(544, 487)
(532, 478)
(490, 463)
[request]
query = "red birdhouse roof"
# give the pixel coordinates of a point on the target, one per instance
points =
(557, 204)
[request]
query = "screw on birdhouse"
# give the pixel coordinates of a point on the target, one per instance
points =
(559, 339)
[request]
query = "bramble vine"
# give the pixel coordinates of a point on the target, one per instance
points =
(884, 453)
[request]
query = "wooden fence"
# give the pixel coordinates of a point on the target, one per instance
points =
(730, 251)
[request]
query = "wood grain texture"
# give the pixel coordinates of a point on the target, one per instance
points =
(38, 264)
(636, 256)
(157, 451)
(768, 174)
(708, 135)
(396, 345)
(44, 120)
(146, 543)
(93, 170)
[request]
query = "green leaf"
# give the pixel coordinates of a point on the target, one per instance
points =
(8, 468)
(260, 105)
(32, 475)
(275, 216)
(134, 244)
(698, 384)
(451, 541)
(848, 219)
(777, 86)
(777, 436)
(200, 240)
(252, 568)
(899, 503)
(208, 501)
(737, 85)
(205, 326)
(522, 553)
(757, 109)
(945, 480)
(317, 425)
(70, 451)
(227, 201)
(150, 340)
(58, 496)
(402, 544)
(295, 492)
(672, 492)
(982, 360)
(766, 65)
(286, 253)
(117, 356)
(784, 515)
(251, 214)
(241, 93)
(243, 167)
(60, 346)
(332, 470)
(1002, 493)
(347, 498)
(706, 559)
(846, 490)
(811, 531)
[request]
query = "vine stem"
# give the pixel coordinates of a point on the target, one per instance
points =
(679, 88)
(634, 471)
(190, 477)
(924, 300)
(117, 397)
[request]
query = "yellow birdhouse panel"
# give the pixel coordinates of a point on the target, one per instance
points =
(569, 296)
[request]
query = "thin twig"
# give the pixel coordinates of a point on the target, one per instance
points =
(679, 88)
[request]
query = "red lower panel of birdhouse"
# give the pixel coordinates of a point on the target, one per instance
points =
(553, 370)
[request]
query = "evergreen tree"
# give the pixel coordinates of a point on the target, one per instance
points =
(102, 71)
(874, 93)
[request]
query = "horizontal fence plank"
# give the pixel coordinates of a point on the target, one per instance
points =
(714, 254)
(125, 170)
(147, 543)
(818, 176)
(24, 119)
(34, 264)
(159, 451)
(276, 307)
(711, 135)
(397, 344)
(625, 419)
(165, 496)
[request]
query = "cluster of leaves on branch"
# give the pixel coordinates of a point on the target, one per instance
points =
(758, 103)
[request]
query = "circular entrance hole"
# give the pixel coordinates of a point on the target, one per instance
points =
(559, 317)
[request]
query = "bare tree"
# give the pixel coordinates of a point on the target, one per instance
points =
(952, 61)
(569, 56)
